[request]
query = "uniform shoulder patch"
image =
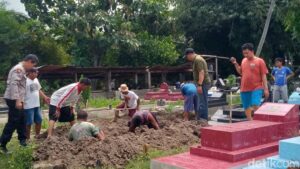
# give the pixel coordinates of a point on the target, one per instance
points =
(18, 70)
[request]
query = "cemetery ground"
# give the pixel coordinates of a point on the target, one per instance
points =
(120, 149)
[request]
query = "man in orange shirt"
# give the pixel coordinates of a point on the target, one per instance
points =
(254, 79)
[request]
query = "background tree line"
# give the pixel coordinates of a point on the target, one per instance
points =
(144, 32)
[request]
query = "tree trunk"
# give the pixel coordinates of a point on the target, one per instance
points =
(266, 28)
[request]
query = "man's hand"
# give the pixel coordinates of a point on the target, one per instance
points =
(47, 100)
(72, 110)
(233, 60)
(126, 98)
(57, 113)
(267, 94)
(199, 89)
(19, 105)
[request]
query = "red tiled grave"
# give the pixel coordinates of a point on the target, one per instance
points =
(277, 112)
(235, 156)
(240, 135)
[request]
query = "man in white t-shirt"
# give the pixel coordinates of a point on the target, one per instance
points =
(32, 102)
(130, 101)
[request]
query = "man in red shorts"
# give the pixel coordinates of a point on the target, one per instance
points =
(130, 101)
(254, 79)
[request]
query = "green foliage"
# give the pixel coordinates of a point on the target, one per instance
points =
(221, 27)
(111, 32)
(2, 86)
(20, 36)
(231, 81)
(86, 94)
(50, 86)
(292, 15)
(20, 158)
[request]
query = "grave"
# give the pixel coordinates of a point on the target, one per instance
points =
(235, 143)
(288, 157)
(215, 100)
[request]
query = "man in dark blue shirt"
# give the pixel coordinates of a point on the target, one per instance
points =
(281, 74)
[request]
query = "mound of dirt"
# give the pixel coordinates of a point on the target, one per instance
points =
(119, 147)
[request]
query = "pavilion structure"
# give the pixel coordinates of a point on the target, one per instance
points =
(139, 75)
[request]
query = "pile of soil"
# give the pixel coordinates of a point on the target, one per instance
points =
(119, 147)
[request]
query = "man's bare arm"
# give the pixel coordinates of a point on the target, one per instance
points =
(265, 84)
(238, 68)
(236, 65)
(290, 76)
(138, 104)
(101, 135)
(153, 122)
(201, 77)
(273, 77)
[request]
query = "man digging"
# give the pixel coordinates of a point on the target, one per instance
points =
(63, 101)
(131, 102)
(144, 117)
(83, 129)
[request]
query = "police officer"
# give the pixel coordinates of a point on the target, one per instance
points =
(14, 97)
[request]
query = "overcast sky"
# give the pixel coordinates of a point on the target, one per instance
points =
(15, 5)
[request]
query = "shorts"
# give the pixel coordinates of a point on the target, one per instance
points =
(65, 114)
(131, 111)
(190, 103)
(251, 98)
(33, 115)
(280, 93)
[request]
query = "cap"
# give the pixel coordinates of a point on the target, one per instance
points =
(188, 51)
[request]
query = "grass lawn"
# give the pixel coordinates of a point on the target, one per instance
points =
(19, 158)
(143, 161)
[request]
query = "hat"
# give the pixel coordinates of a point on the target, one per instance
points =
(123, 88)
(188, 51)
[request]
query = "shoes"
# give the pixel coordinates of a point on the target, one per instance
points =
(23, 143)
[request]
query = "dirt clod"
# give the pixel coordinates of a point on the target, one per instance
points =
(119, 147)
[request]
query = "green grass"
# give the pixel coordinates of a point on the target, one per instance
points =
(20, 157)
(171, 105)
(102, 102)
(143, 161)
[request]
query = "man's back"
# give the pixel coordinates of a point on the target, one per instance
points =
(81, 130)
(200, 64)
(67, 95)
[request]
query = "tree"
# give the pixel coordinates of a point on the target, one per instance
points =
(221, 27)
(20, 36)
(86, 94)
(105, 32)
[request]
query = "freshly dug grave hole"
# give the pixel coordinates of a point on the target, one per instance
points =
(119, 147)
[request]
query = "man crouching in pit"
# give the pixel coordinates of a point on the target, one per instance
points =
(63, 101)
(84, 129)
(143, 117)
